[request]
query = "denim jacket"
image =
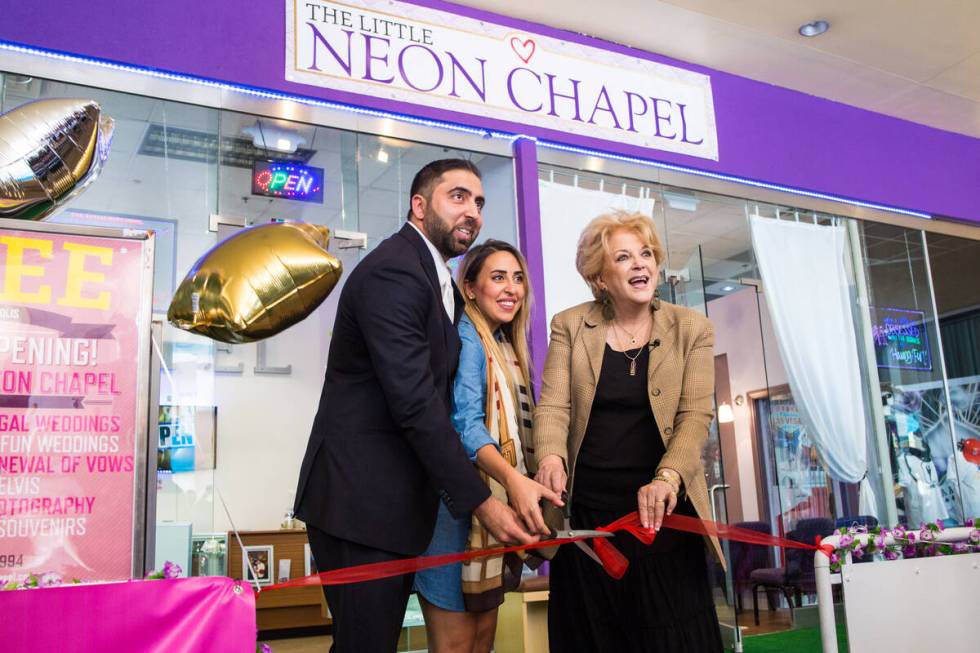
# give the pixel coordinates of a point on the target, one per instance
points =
(470, 391)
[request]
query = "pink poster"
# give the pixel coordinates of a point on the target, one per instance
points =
(69, 355)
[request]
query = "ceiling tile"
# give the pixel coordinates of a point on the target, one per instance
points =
(963, 79)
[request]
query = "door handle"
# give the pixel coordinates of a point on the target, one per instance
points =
(711, 492)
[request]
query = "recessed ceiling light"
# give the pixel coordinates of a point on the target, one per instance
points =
(814, 28)
(727, 288)
(382, 156)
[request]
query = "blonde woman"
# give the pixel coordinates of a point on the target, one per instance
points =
(626, 401)
(492, 410)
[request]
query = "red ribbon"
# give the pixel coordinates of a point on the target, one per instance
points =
(613, 560)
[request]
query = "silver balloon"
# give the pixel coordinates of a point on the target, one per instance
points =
(50, 150)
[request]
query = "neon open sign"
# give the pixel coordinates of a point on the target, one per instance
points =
(291, 181)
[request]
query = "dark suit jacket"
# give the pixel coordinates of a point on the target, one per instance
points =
(383, 449)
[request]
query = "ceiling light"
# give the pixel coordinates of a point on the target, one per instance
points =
(814, 28)
(269, 136)
(727, 288)
(382, 156)
(681, 201)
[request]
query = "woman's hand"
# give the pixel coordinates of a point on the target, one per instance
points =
(525, 495)
(655, 500)
(551, 473)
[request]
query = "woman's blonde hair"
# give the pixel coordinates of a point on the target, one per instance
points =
(516, 329)
(593, 244)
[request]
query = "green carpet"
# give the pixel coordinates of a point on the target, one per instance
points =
(804, 640)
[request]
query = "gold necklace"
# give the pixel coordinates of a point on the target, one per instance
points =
(631, 359)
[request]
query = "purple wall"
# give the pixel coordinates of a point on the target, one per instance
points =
(765, 133)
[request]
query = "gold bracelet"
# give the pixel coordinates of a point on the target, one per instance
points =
(675, 488)
(669, 473)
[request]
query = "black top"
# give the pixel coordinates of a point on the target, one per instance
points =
(622, 445)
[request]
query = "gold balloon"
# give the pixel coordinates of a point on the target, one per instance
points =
(50, 150)
(256, 283)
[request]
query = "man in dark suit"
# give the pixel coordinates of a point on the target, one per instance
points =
(382, 451)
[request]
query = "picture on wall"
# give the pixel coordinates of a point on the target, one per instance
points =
(261, 560)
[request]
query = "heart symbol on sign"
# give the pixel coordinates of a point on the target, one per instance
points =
(523, 49)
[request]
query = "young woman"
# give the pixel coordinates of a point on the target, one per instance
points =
(492, 408)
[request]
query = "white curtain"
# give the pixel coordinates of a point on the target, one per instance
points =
(806, 286)
(565, 210)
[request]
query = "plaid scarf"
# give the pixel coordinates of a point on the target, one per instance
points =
(508, 411)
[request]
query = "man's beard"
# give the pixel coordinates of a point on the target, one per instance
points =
(442, 235)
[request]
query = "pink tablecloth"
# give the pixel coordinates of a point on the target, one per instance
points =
(180, 615)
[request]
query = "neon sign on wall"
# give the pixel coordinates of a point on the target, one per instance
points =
(901, 339)
(287, 180)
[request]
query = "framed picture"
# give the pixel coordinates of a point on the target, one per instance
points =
(309, 564)
(261, 560)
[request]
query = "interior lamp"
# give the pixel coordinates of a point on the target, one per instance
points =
(725, 414)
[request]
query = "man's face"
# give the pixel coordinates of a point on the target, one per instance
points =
(451, 218)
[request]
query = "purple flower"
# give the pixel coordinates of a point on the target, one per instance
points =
(908, 551)
(910, 536)
(834, 558)
(891, 554)
(959, 547)
(172, 570)
(879, 541)
(926, 535)
(975, 536)
(939, 525)
(266, 648)
(858, 552)
(49, 579)
(846, 540)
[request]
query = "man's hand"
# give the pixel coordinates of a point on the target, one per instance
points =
(551, 473)
(502, 522)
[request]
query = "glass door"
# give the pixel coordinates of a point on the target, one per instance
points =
(687, 288)
(709, 254)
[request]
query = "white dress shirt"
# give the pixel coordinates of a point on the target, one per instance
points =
(443, 275)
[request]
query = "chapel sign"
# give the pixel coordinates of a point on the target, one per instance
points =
(424, 56)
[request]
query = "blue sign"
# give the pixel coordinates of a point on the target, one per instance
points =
(287, 180)
(900, 338)
(175, 450)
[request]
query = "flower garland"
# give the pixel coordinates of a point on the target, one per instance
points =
(907, 543)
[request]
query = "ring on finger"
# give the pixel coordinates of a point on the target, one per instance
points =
(659, 501)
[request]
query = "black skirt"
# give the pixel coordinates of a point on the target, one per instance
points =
(663, 604)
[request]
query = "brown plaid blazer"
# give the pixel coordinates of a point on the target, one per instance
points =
(680, 382)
